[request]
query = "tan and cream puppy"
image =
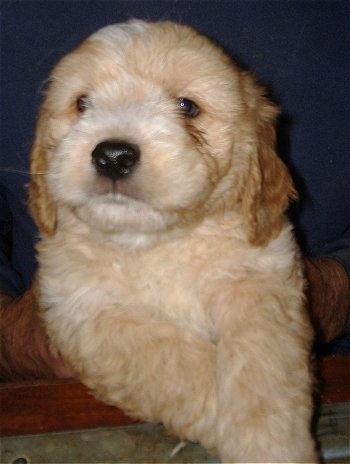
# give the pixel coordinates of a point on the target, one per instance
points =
(168, 276)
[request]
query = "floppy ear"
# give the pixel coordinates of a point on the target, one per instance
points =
(41, 204)
(269, 185)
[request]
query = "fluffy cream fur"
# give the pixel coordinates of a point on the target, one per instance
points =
(175, 292)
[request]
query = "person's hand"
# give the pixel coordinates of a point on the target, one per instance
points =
(25, 353)
(328, 297)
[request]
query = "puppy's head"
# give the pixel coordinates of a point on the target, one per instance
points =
(146, 127)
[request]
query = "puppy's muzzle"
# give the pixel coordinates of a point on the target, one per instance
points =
(115, 159)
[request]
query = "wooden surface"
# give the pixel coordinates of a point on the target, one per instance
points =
(47, 407)
(27, 408)
(334, 379)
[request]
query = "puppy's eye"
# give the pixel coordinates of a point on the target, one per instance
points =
(82, 103)
(188, 107)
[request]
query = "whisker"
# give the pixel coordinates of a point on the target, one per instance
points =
(22, 172)
(15, 171)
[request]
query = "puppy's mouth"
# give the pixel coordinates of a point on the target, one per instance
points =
(113, 193)
(104, 187)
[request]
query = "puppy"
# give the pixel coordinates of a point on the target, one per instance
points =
(169, 278)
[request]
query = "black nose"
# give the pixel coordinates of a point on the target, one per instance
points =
(115, 159)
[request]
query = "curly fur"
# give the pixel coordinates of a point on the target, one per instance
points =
(175, 293)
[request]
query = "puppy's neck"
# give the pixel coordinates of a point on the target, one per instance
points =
(228, 225)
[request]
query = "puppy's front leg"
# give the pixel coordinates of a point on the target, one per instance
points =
(264, 384)
(154, 370)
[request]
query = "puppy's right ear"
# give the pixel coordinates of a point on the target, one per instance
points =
(41, 204)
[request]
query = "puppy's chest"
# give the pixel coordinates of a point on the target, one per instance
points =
(169, 283)
(172, 282)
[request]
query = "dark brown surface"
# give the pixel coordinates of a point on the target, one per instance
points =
(46, 407)
(334, 379)
(39, 407)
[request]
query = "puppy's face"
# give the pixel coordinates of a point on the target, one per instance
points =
(146, 127)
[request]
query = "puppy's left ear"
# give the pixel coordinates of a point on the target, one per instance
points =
(41, 204)
(269, 185)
